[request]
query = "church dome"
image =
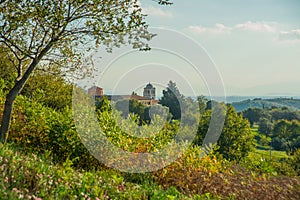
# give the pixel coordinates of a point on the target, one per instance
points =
(149, 86)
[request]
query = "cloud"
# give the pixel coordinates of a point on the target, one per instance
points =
(157, 12)
(247, 26)
(257, 27)
(290, 37)
(217, 29)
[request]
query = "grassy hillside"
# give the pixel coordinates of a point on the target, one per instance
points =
(31, 176)
(45, 159)
(290, 103)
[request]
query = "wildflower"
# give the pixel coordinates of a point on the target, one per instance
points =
(40, 175)
(6, 180)
(136, 187)
(34, 156)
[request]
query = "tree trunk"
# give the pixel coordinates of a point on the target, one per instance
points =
(19, 84)
(10, 98)
(5, 124)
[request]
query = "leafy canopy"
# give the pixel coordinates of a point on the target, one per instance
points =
(59, 31)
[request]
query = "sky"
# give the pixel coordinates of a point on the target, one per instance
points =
(253, 45)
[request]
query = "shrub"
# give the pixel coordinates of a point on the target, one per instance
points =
(31, 176)
(193, 175)
(294, 162)
(38, 128)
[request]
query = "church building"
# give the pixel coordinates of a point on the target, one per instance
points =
(147, 99)
(149, 91)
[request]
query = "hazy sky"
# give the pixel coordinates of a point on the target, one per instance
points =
(254, 43)
(232, 47)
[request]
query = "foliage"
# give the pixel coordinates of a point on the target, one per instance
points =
(264, 140)
(7, 71)
(40, 129)
(278, 114)
(268, 162)
(121, 131)
(31, 176)
(280, 124)
(266, 117)
(265, 126)
(135, 107)
(295, 161)
(255, 114)
(194, 174)
(58, 33)
(236, 139)
(51, 90)
(290, 103)
(286, 135)
(57, 29)
(45, 131)
(173, 99)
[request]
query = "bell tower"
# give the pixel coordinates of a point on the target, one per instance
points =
(149, 91)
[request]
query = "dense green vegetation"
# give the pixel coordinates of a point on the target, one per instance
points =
(65, 168)
(173, 100)
(45, 156)
(291, 103)
(280, 127)
(56, 35)
(31, 176)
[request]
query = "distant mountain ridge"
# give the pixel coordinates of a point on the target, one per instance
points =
(290, 103)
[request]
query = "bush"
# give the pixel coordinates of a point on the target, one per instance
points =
(38, 128)
(31, 176)
(262, 163)
(294, 162)
(195, 175)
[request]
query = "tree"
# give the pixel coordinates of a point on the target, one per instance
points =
(57, 33)
(281, 129)
(236, 139)
(49, 89)
(172, 99)
(286, 135)
(278, 114)
(202, 101)
(265, 126)
(132, 106)
(254, 115)
(7, 72)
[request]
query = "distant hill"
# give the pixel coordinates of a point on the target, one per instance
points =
(290, 103)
